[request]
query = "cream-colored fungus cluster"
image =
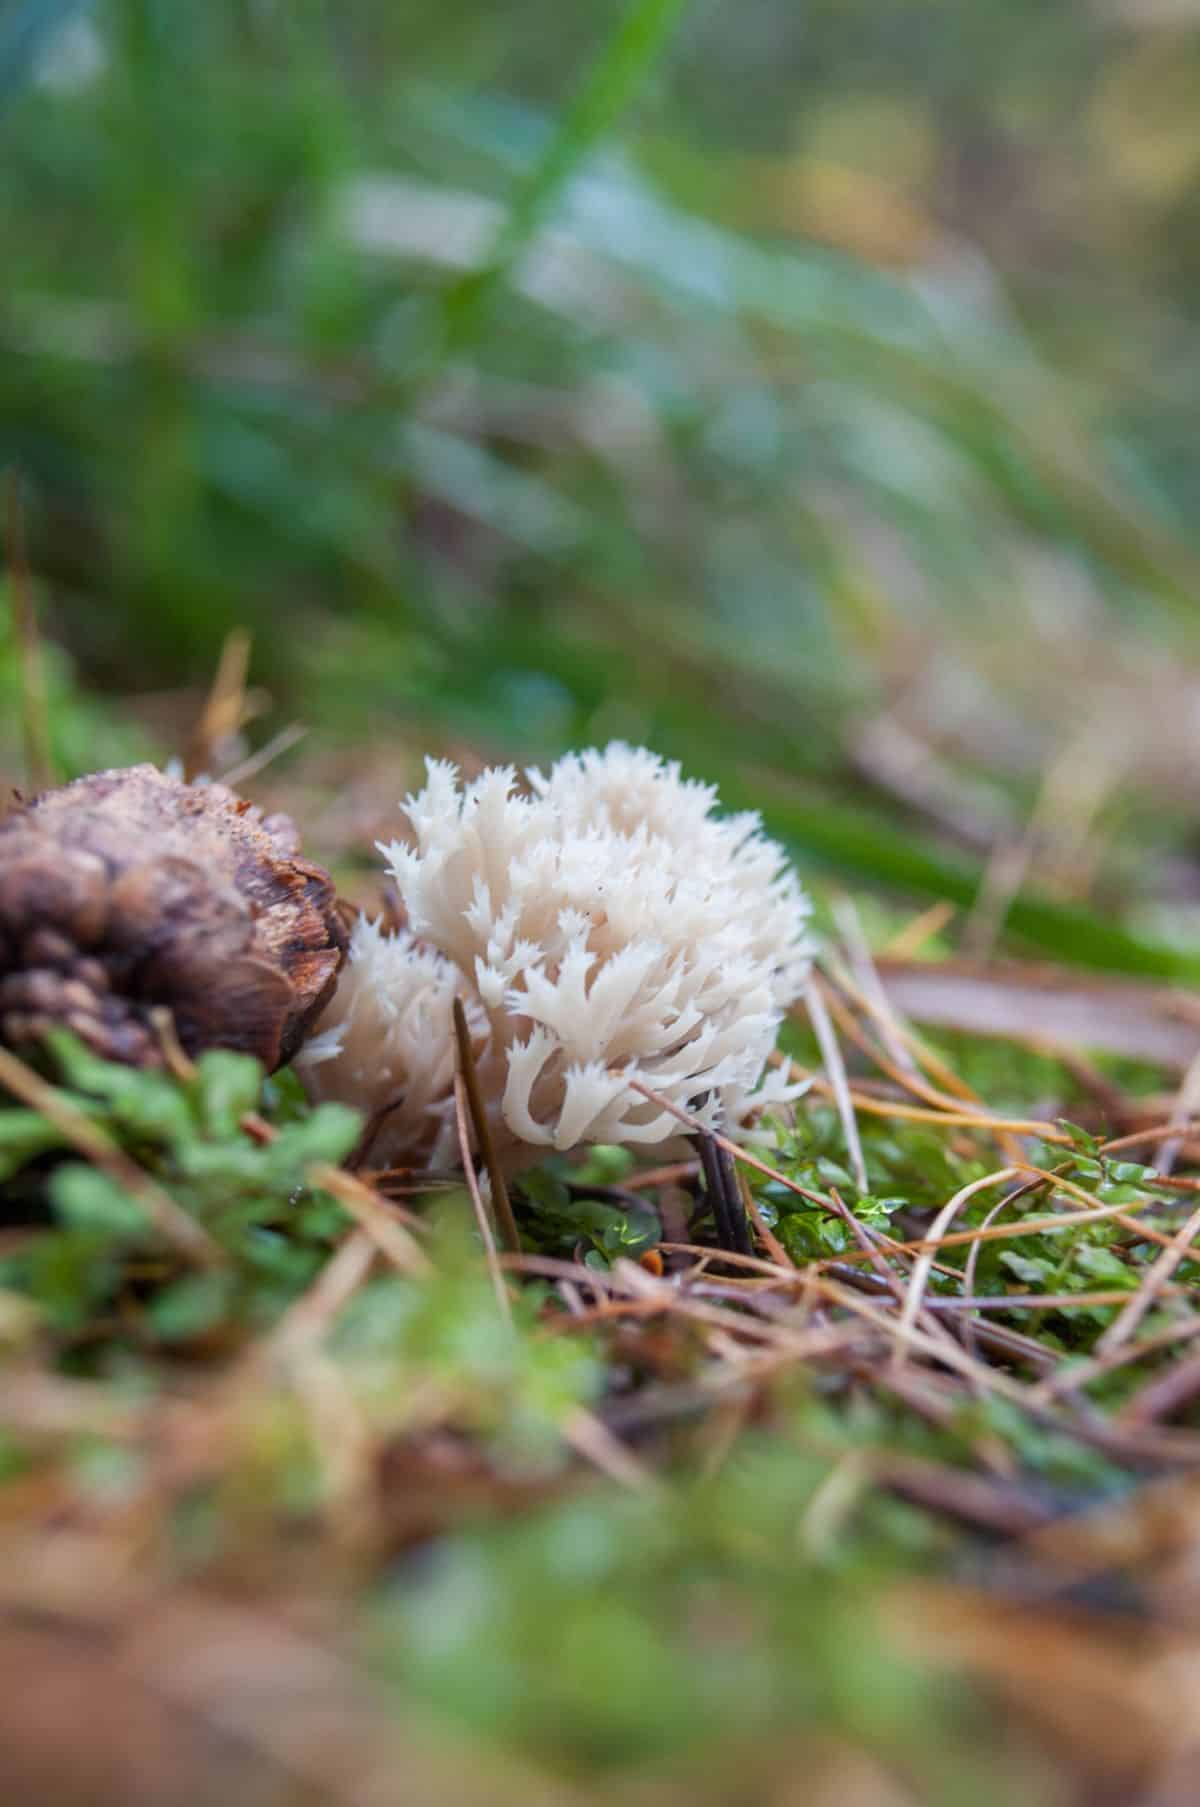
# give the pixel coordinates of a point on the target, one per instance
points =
(600, 923)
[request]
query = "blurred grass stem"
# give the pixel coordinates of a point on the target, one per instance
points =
(622, 64)
(35, 702)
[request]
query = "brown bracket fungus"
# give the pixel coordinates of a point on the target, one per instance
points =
(130, 890)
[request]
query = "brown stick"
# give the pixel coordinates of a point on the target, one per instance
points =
(481, 1214)
(506, 1223)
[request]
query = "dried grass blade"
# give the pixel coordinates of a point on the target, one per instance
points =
(373, 1214)
(224, 710)
(481, 1212)
(593, 1440)
(943, 1220)
(306, 1320)
(35, 700)
(1156, 1278)
(835, 1067)
(947, 1119)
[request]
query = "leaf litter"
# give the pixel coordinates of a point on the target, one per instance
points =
(954, 1403)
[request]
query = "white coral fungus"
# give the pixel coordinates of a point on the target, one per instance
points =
(608, 921)
(386, 1044)
(607, 926)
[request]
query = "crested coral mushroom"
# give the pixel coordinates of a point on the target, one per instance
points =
(387, 1045)
(604, 924)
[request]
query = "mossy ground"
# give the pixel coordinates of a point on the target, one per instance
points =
(628, 1514)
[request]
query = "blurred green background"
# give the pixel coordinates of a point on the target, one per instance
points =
(805, 389)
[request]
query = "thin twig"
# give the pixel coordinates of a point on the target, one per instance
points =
(906, 1076)
(1005, 1232)
(960, 1119)
(481, 1212)
(911, 1336)
(1151, 1133)
(373, 1214)
(997, 1336)
(1073, 1377)
(1112, 1295)
(591, 1438)
(672, 1175)
(766, 1235)
(873, 1248)
(1155, 1279)
(971, 1264)
(868, 1245)
(484, 1141)
(1163, 1395)
(919, 1245)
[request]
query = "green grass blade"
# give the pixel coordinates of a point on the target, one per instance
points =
(855, 843)
(622, 64)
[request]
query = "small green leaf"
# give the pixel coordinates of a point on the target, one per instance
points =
(546, 1190)
(1029, 1269)
(1130, 1173)
(149, 1105)
(1102, 1264)
(1080, 1138)
(87, 1199)
(604, 1165)
(234, 1163)
(226, 1086)
(106, 1472)
(328, 1135)
(1110, 1194)
(69, 1272)
(23, 1136)
(190, 1306)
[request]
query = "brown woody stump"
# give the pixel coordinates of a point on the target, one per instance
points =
(129, 891)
